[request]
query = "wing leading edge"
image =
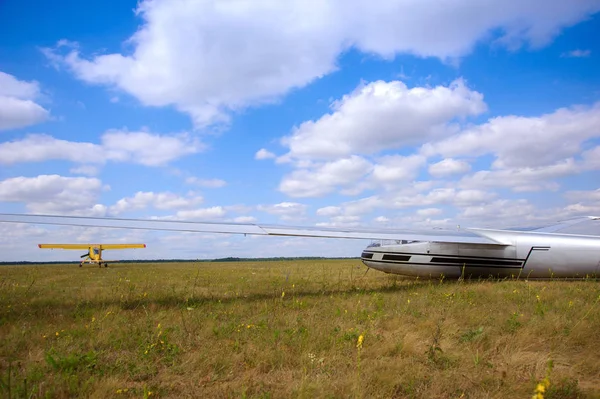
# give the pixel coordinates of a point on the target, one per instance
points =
(86, 246)
(450, 236)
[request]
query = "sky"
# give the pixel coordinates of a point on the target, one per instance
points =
(338, 113)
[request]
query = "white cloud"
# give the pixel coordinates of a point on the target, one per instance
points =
(577, 53)
(263, 154)
(17, 108)
(325, 178)
(395, 168)
(162, 200)
(116, 145)
(87, 170)
(522, 179)
(502, 213)
(207, 58)
(448, 167)
(586, 202)
(584, 195)
(341, 221)
(329, 211)
(285, 210)
(591, 158)
(41, 147)
(208, 183)
(383, 115)
(54, 194)
(146, 148)
(460, 198)
(428, 212)
(212, 213)
(382, 219)
(245, 219)
(519, 142)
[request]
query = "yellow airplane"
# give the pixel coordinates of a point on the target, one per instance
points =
(94, 254)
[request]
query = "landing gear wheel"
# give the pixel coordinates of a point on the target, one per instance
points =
(106, 265)
(81, 265)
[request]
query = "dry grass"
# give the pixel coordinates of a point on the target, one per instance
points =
(290, 329)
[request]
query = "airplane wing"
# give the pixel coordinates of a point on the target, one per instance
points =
(435, 235)
(121, 246)
(86, 246)
(65, 246)
(588, 225)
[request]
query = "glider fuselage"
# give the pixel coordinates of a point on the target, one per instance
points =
(520, 254)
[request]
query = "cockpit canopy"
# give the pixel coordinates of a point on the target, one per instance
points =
(379, 243)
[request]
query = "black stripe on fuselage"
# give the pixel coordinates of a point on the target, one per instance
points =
(471, 261)
(478, 262)
(497, 266)
(446, 255)
(395, 257)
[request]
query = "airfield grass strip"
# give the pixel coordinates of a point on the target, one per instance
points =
(305, 328)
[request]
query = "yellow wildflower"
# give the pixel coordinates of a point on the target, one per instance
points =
(540, 388)
(359, 343)
(282, 294)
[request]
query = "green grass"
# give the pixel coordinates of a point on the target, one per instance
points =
(290, 329)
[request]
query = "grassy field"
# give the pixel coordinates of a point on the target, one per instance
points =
(291, 329)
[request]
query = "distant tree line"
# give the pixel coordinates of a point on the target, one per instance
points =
(227, 259)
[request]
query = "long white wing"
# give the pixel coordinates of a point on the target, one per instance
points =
(436, 235)
(587, 225)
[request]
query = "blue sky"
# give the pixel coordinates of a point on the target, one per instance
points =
(346, 113)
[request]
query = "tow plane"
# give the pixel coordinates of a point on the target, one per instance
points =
(94, 254)
(568, 249)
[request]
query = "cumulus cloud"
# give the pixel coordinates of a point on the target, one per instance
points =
(212, 213)
(208, 58)
(452, 196)
(17, 106)
(394, 168)
(263, 154)
(519, 142)
(148, 199)
(54, 194)
(87, 170)
(244, 219)
(522, 179)
(285, 210)
(428, 212)
(208, 183)
(448, 167)
(325, 178)
(502, 213)
(329, 211)
(147, 148)
(383, 115)
(341, 221)
(115, 145)
(342, 152)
